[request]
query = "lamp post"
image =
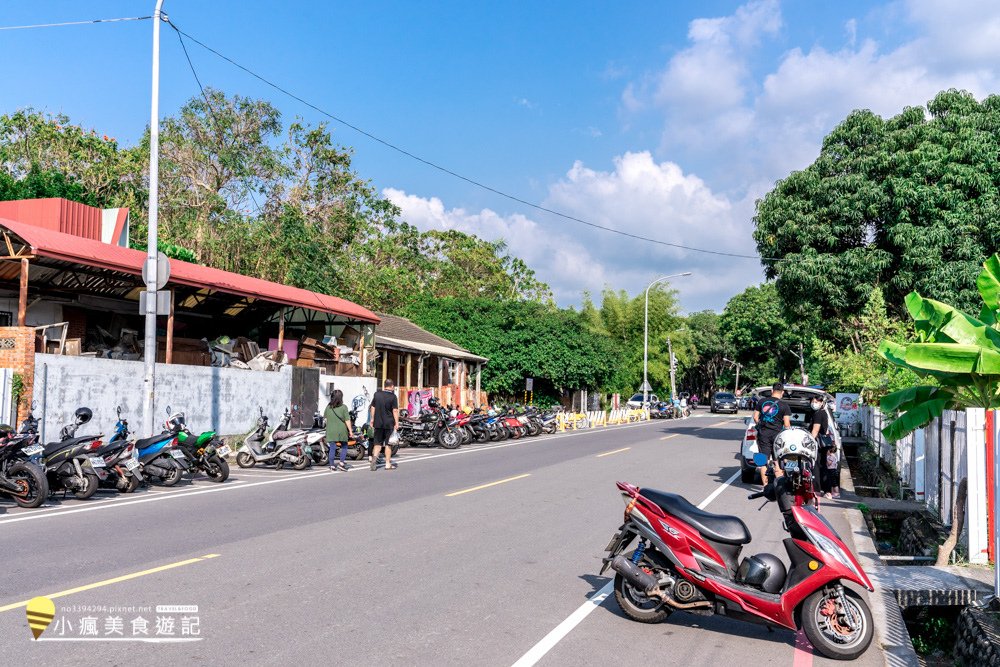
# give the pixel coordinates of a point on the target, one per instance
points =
(645, 337)
(149, 341)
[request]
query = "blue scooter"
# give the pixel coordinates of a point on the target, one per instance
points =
(159, 458)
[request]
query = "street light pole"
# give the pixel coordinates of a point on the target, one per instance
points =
(736, 389)
(149, 341)
(645, 338)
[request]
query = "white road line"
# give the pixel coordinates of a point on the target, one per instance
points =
(237, 484)
(538, 651)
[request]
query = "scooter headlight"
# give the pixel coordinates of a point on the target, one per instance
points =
(828, 546)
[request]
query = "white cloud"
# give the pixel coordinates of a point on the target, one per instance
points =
(765, 126)
(640, 196)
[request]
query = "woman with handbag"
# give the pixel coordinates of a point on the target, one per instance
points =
(338, 429)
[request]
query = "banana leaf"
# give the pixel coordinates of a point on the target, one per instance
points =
(940, 323)
(907, 399)
(895, 353)
(953, 358)
(988, 284)
(918, 416)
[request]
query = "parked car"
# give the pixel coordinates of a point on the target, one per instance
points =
(745, 402)
(798, 399)
(723, 401)
(636, 401)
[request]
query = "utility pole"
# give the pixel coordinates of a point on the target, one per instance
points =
(673, 367)
(738, 367)
(802, 366)
(149, 341)
(645, 338)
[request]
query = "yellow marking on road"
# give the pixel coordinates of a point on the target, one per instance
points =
(672, 435)
(616, 451)
(115, 580)
(486, 486)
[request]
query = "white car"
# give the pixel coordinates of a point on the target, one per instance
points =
(636, 401)
(798, 399)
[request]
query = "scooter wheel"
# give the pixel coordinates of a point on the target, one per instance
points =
(90, 484)
(244, 460)
(823, 624)
(637, 606)
(302, 462)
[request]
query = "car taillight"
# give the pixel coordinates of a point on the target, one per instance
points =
(751, 434)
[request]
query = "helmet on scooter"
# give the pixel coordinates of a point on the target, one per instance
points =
(765, 571)
(433, 403)
(83, 415)
(795, 443)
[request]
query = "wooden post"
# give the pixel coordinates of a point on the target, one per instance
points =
(420, 372)
(409, 369)
(281, 331)
(385, 367)
(22, 301)
(170, 332)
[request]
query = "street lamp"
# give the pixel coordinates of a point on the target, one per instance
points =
(149, 344)
(645, 338)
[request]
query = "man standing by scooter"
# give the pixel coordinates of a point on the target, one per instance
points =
(383, 415)
(772, 416)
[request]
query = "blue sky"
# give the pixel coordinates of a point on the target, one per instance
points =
(667, 119)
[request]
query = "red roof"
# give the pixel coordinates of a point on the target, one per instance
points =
(66, 247)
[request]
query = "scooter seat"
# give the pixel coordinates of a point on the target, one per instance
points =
(282, 435)
(143, 443)
(717, 527)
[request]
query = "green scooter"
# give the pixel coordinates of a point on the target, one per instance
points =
(205, 452)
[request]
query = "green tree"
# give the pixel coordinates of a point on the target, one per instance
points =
(707, 367)
(908, 203)
(759, 335)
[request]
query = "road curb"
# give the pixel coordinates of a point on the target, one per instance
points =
(890, 630)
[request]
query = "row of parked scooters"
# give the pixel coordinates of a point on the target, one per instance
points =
(451, 428)
(31, 470)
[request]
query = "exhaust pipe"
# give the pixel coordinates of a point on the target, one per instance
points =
(644, 581)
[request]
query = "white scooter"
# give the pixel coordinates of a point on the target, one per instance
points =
(277, 448)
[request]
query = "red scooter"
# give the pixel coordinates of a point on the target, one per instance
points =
(688, 559)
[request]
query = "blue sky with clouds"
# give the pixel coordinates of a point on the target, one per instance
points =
(667, 119)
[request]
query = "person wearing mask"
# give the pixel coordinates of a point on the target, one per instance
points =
(772, 416)
(383, 415)
(338, 429)
(829, 458)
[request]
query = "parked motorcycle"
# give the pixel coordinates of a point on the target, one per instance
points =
(431, 427)
(205, 452)
(72, 463)
(275, 448)
(22, 475)
(689, 559)
(123, 472)
(161, 459)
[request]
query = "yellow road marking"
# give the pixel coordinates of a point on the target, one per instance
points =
(617, 451)
(486, 486)
(115, 580)
(667, 437)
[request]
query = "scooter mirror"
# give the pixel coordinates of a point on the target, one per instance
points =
(748, 420)
(760, 460)
(169, 411)
(34, 404)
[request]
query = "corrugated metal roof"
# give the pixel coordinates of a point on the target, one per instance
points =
(57, 245)
(401, 332)
(57, 214)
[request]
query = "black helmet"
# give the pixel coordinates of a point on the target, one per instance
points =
(766, 571)
(83, 415)
(433, 403)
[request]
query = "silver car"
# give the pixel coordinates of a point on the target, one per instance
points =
(798, 399)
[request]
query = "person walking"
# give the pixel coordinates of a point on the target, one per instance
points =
(772, 416)
(338, 429)
(383, 415)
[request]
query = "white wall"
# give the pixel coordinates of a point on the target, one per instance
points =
(222, 399)
(353, 388)
(43, 312)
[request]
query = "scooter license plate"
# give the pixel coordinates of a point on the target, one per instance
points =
(131, 464)
(32, 450)
(97, 462)
(792, 466)
(223, 451)
(616, 542)
(176, 453)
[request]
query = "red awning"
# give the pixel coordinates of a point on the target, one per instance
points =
(69, 248)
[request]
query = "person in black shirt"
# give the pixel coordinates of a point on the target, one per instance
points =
(384, 418)
(772, 416)
(829, 459)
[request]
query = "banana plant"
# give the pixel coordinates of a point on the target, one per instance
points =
(958, 354)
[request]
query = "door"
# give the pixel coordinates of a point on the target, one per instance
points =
(305, 395)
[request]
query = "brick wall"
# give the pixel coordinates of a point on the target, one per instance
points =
(17, 352)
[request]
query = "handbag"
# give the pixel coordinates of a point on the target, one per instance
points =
(394, 438)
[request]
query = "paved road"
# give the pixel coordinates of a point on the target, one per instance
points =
(431, 564)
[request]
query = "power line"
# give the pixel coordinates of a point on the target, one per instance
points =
(67, 23)
(450, 172)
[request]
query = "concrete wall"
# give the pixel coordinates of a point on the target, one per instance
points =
(222, 399)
